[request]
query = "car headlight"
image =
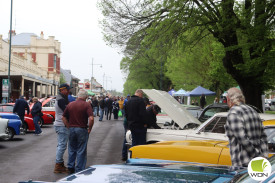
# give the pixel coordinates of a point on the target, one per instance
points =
(129, 154)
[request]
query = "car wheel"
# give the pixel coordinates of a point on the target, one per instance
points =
(40, 122)
(10, 133)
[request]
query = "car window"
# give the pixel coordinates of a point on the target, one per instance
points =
(208, 113)
(209, 127)
(7, 108)
(216, 125)
(270, 132)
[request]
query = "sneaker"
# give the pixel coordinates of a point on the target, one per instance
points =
(39, 134)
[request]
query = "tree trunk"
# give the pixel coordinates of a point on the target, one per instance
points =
(252, 92)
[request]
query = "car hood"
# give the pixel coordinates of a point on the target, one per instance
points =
(172, 107)
(205, 143)
(146, 170)
(9, 115)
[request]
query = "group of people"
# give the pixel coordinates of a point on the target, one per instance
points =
(21, 105)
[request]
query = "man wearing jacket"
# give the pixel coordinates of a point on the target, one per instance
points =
(36, 114)
(19, 108)
(60, 129)
(135, 112)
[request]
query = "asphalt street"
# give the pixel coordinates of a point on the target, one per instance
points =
(33, 157)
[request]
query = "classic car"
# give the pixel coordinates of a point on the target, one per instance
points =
(14, 125)
(48, 106)
(28, 120)
(149, 170)
(212, 109)
(184, 126)
(3, 128)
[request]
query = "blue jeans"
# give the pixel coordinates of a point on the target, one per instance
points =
(36, 125)
(95, 111)
(101, 113)
(78, 140)
(139, 136)
(62, 139)
(124, 146)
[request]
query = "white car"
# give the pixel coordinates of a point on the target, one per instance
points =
(3, 127)
(185, 126)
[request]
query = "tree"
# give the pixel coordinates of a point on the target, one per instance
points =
(245, 28)
(62, 79)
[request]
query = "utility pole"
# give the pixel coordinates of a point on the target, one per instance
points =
(93, 72)
(9, 90)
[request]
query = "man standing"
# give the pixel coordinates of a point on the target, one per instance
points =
(95, 105)
(62, 132)
(135, 114)
(76, 117)
(244, 129)
(36, 113)
(151, 118)
(20, 107)
(101, 107)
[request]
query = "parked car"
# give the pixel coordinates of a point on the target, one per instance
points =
(214, 152)
(14, 125)
(212, 109)
(28, 120)
(148, 170)
(48, 106)
(272, 105)
(267, 104)
(184, 126)
(3, 128)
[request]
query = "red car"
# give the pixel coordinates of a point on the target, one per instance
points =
(28, 120)
(48, 106)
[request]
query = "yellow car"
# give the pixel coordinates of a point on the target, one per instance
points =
(204, 151)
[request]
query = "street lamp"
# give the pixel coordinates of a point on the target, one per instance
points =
(9, 89)
(93, 71)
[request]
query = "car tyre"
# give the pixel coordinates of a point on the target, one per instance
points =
(10, 133)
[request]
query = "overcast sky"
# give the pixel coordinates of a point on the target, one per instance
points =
(75, 25)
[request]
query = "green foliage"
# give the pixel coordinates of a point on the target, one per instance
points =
(62, 79)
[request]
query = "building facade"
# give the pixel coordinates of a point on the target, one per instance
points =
(34, 66)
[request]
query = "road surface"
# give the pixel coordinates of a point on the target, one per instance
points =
(33, 157)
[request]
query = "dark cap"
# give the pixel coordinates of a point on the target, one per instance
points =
(128, 95)
(64, 86)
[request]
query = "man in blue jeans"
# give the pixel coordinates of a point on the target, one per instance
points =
(78, 117)
(60, 129)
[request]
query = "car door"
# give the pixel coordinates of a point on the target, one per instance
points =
(213, 130)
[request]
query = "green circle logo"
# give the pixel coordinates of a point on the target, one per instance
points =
(259, 168)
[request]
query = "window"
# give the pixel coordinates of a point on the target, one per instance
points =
(54, 61)
(216, 125)
(209, 127)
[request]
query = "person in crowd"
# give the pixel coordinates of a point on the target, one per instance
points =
(202, 101)
(196, 102)
(78, 118)
(135, 112)
(121, 102)
(192, 102)
(244, 130)
(115, 108)
(216, 101)
(95, 105)
(109, 104)
(20, 107)
(60, 129)
(70, 97)
(151, 118)
(224, 100)
(126, 128)
(36, 114)
(101, 107)
(147, 102)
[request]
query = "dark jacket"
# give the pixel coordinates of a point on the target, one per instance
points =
(94, 103)
(36, 109)
(102, 103)
(20, 106)
(151, 118)
(109, 104)
(135, 112)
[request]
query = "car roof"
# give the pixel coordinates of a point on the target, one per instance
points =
(263, 116)
(173, 108)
